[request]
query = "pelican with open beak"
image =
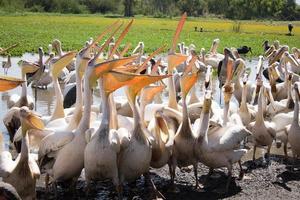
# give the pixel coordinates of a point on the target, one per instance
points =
(23, 172)
(277, 55)
(226, 63)
(9, 83)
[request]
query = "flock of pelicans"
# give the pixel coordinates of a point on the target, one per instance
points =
(122, 139)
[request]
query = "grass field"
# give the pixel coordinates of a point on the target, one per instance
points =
(32, 31)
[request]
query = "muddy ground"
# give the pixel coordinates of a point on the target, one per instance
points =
(273, 179)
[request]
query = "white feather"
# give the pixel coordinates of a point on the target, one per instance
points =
(228, 138)
(7, 164)
(54, 142)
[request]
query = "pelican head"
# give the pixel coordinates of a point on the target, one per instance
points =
(56, 44)
(28, 68)
(214, 46)
(87, 44)
(41, 51)
(273, 71)
(276, 44)
(58, 64)
(270, 51)
(216, 41)
(296, 52)
(141, 44)
(289, 58)
(91, 40)
(278, 54)
(192, 47)
(113, 39)
(41, 54)
(228, 53)
(174, 60)
(182, 44)
(238, 67)
(186, 82)
(30, 120)
(245, 79)
(235, 52)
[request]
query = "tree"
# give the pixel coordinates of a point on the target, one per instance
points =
(193, 7)
(128, 8)
(288, 11)
(232, 9)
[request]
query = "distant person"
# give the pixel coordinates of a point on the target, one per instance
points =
(290, 27)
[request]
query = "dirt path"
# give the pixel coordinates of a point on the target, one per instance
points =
(262, 180)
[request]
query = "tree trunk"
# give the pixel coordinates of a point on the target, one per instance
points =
(128, 4)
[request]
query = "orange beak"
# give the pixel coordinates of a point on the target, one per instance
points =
(149, 92)
(187, 81)
(190, 65)
(138, 82)
(8, 83)
(114, 80)
(174, 60)
(60, 63)
(177, 32)
(278, 55)
(118, 42)
(107, 30)
(144, 65)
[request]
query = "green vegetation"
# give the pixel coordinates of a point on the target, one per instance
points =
(33, 31)
(232, 9)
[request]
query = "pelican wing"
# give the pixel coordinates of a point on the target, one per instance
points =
(54, 142)
(271, 127)
(35, 170)
(172, 113)
(250, 126)
(11, 115)
(124, 137)
(7, 165)
(287, 129)
(252, 114)
(227, 138)
(89, 134)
